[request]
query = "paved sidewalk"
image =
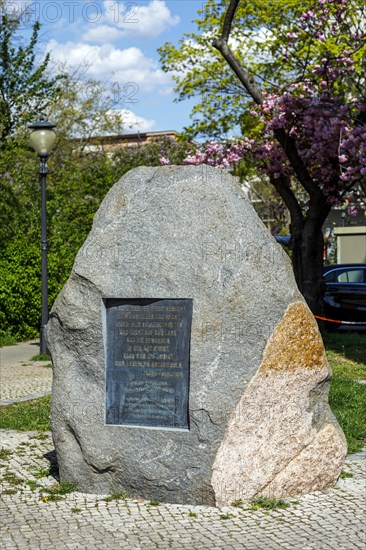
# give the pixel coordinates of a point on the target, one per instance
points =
(20, 378)
(31, 519)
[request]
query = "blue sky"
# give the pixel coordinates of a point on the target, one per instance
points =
(119, 41)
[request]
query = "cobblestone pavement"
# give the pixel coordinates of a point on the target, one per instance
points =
(32, 517)
(20, 378)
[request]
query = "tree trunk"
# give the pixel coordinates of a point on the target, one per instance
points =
(307, 261)
(307, 255)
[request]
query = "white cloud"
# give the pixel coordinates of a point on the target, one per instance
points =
(170, 90)
(140, 21)
(101, 34)
(133, 123)
(120, 121)
(106, 62)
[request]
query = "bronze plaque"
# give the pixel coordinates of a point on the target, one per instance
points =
(147, 365)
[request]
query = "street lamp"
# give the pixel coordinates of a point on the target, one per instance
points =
(42, 139)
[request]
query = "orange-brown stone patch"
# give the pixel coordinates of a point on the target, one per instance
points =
(296, 342)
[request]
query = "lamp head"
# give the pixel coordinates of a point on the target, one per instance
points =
(42, 137)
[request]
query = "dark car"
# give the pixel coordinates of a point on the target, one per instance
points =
(345, 294)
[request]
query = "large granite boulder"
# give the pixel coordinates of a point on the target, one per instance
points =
(255, 399)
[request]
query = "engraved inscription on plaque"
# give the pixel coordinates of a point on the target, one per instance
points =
(147, 364)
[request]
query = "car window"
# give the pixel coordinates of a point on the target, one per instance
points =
(354, 276)
(345, 276)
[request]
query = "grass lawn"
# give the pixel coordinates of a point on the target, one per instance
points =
(27, 415)
(346, 354)
(6, 339)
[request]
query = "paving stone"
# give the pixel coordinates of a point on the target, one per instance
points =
(22, 379)
(331, 521)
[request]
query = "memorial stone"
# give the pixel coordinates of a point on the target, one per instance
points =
(187, 366)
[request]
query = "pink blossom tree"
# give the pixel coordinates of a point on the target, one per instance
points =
(311, 131)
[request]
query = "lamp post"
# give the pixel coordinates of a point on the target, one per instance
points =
(42, 139)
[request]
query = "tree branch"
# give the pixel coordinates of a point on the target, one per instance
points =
(288, 144)
(288, 197)
(221, 44)
(228, 21)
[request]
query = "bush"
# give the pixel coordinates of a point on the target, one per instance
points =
(75, 188)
